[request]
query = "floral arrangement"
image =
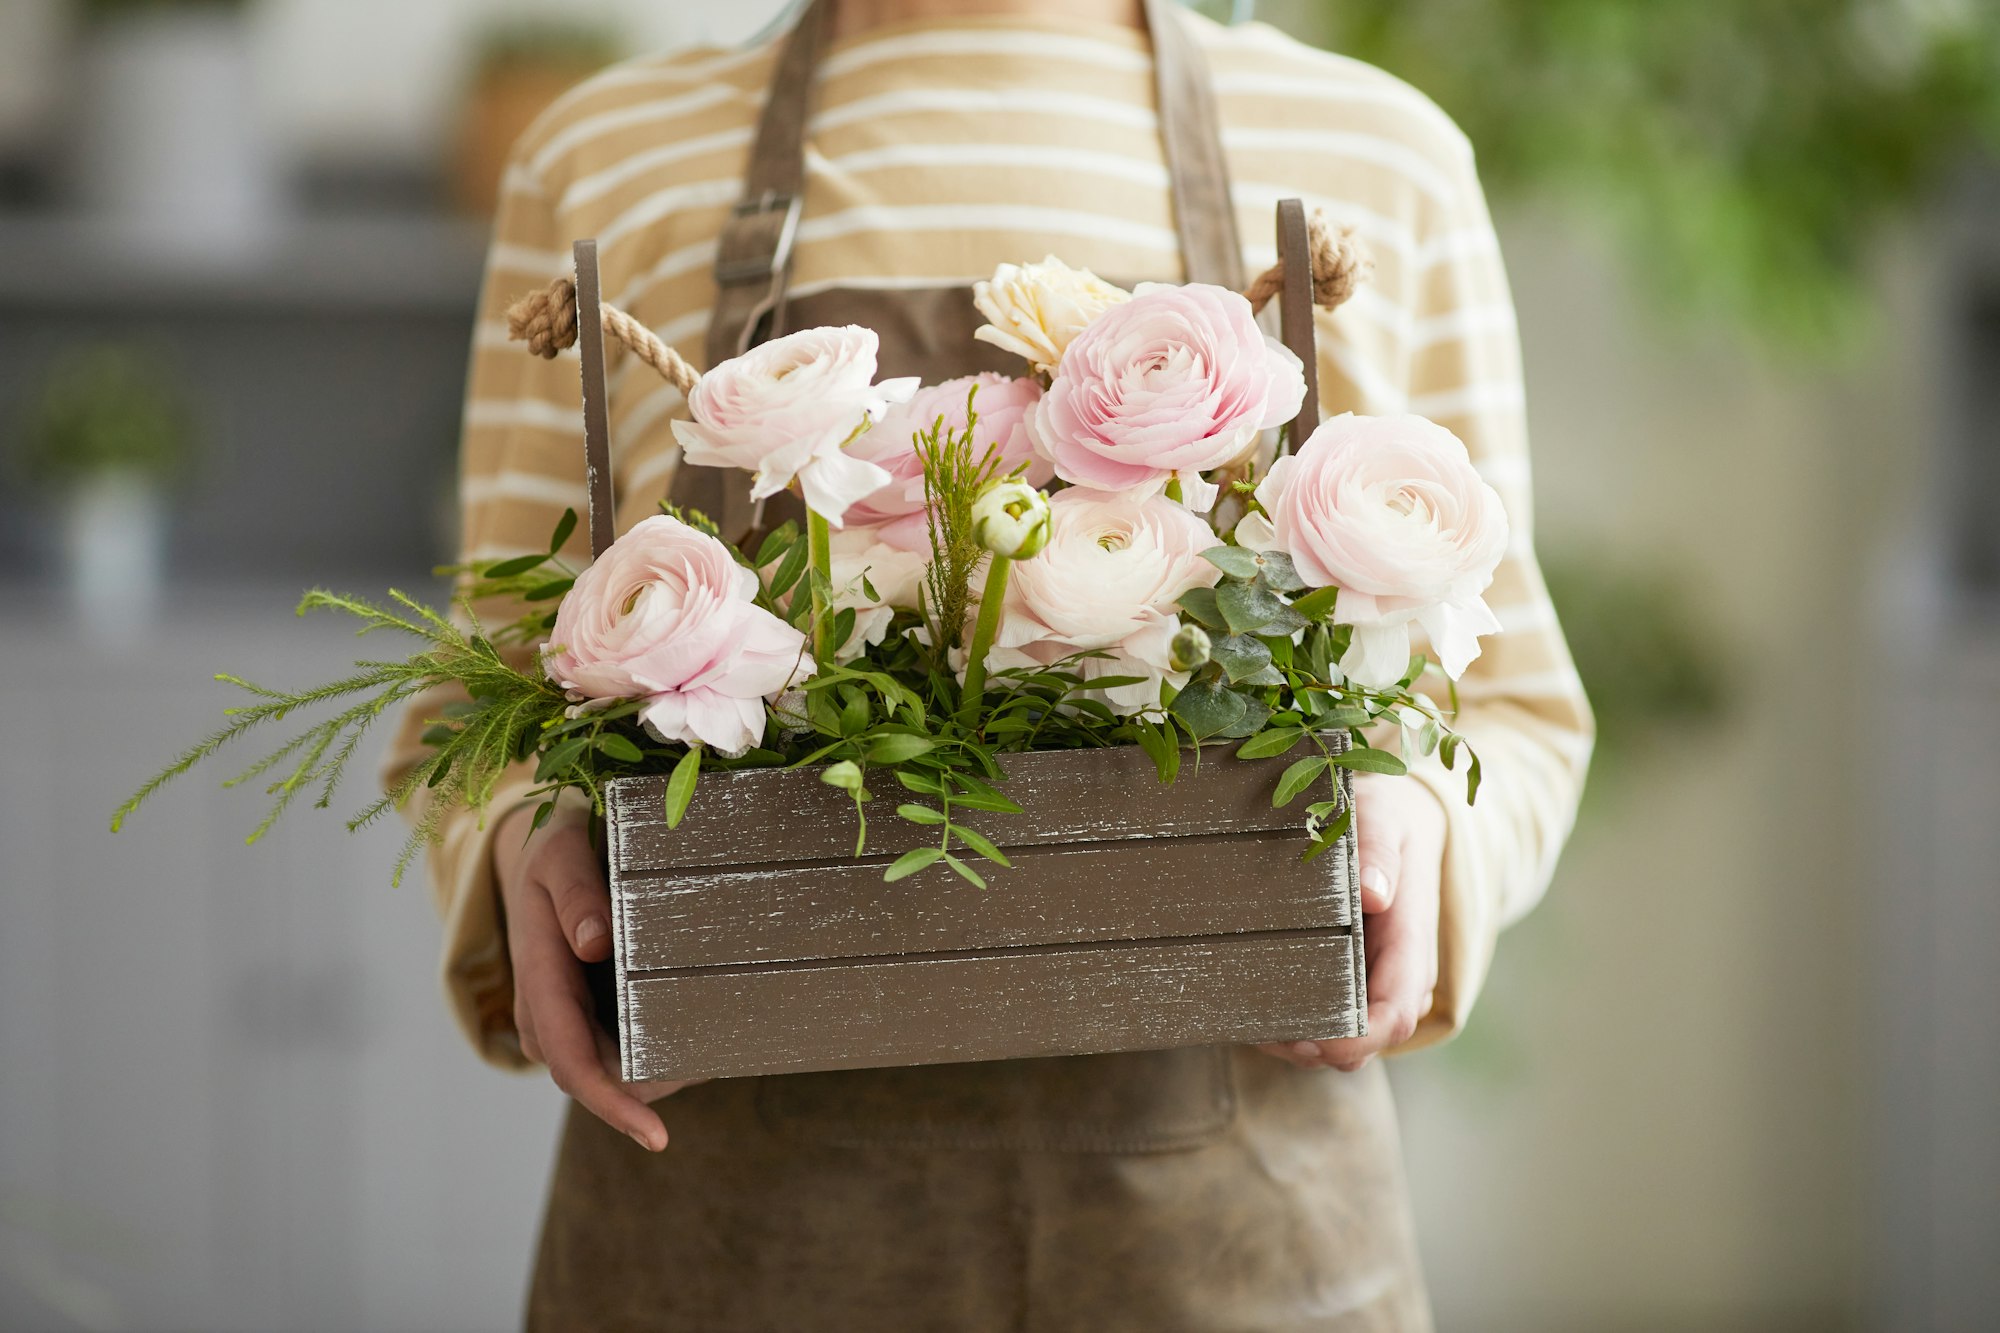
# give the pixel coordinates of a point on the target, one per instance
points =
(1116, 547)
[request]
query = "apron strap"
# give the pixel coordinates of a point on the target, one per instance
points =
(754, 253)
(1191, 132)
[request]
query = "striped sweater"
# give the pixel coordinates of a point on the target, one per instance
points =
(939, 149)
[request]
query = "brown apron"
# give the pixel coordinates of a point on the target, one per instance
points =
(1206, 1190)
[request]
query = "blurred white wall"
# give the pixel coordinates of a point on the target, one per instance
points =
(351, 77)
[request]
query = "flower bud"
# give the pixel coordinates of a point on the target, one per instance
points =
(1189, 649)
(1011, 519)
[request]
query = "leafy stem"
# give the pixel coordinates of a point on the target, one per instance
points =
(820, 538)
(990, 603)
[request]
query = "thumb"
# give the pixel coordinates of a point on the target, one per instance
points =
(1380, 854)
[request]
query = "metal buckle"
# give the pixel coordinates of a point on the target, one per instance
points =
(763, 268)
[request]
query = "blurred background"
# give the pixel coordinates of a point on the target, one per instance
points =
(1740, 1072)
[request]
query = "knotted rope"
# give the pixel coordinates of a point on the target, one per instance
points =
(1340, 263)
(546, 321)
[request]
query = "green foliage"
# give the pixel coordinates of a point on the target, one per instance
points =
(1745, 152)
(104, 10)
(953, 479)
(1647, 656)
(897, 715)
(107, 410)
(564, 44)
(507, 717)
(1276, 692)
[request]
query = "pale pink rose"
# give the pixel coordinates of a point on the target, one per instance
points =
(876, 579)
(1391, 511)
(1108, 580)
(1172, 383)
(785, 409)
(667, 615)
(1001, 405)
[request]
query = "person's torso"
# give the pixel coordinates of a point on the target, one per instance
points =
(939, 150)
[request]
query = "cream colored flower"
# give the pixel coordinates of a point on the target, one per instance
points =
(1011, 519)
(1034, 310)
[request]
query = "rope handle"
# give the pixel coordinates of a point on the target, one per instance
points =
(546, 321)
(1338, 260)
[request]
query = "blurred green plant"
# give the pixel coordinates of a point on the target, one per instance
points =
(96, 10)
(1646, 655)
(546, 43)
(1745, 152)
(107, 410)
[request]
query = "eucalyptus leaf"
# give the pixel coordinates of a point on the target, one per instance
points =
(1277, 572)
(1201, 604)
(1246, 607)
(1208, 707)
(1241, 656)
(1233, 560)
(1255, 714)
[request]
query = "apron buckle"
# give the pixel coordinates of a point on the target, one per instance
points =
(763, 249)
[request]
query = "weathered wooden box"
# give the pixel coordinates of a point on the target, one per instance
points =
(1136, 916)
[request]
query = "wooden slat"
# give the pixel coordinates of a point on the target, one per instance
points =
(731, 1022)
(759, 816)
(1134, 890)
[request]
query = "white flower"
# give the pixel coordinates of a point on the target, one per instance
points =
(862, 561)
(1011, 519)
(785, 409)
(1034, 310)
(1391, 511)
(1108, 581)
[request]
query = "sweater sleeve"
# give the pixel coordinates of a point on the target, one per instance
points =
(1521, 705)
(521, 465)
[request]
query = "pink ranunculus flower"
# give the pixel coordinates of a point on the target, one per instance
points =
(1002, 406)
(667, 615)
(1391, 511)
(1174, 382)
(1108, 580)
(785, 409)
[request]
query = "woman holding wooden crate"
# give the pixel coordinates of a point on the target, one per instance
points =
(866, 165)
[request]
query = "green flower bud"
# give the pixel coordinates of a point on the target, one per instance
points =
(1189, 649)
(1011, 519)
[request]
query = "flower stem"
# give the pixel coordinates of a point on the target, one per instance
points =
(982, 639)
(820, 550)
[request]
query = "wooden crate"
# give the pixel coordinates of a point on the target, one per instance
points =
(1137, 916)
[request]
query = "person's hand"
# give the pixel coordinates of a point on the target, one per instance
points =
(559, 918)
(1400, 828)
